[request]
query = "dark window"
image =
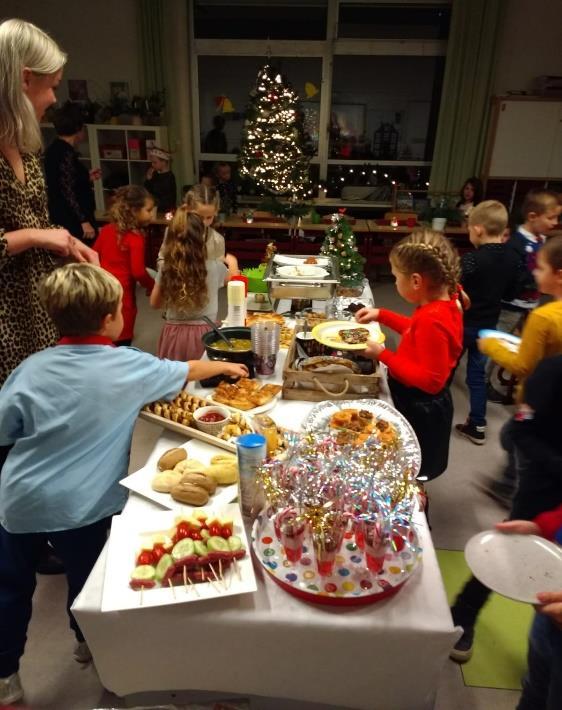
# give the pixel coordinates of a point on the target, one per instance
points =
(391, 21)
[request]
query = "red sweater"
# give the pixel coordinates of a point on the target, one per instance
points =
(430, 347)
(125, 260)
(550, 523)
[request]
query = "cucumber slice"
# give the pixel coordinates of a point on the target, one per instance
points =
(143, 572)
(217, 544)
(183, 548)
(205, 534)
(235, 543)
(200, 548)
(163, 566)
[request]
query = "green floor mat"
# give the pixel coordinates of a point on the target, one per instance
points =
(500, 644)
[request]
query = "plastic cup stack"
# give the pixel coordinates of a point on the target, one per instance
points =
(265, 346)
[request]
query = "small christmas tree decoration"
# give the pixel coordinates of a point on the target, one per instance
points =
(339, 242)
(272, 147)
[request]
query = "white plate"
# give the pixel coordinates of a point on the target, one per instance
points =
(125, 541)
(327, 334)
(294, 261)
(511, 342)
(515, 566)
(303, 271)
(140, 481)
(250, 412)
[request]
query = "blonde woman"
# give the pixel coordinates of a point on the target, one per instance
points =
(30, 247)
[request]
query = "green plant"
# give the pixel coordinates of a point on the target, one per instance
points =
(439, 206)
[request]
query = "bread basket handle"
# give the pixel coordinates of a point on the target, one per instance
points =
(328, 392)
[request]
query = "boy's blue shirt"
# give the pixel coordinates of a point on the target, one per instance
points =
(69, 412)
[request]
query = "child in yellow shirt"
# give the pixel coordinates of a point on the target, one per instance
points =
(541, 338)
(542, 332)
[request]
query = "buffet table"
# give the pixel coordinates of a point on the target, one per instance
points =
(381, 656)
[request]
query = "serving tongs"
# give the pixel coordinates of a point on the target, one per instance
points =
(222, 336)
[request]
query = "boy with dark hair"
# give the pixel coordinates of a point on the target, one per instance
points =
(69, 412)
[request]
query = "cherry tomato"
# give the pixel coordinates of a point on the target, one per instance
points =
(157, 552)
(226, 531)
(195, 535)
(182, 530)
(215, 529)
(145, 558)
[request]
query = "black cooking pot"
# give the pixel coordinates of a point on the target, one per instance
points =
(245, 357)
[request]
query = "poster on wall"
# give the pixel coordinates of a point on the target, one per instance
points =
(77, 89)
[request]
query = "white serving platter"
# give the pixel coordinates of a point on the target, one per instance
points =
(125, 541)
(515, 566)
(140, 481)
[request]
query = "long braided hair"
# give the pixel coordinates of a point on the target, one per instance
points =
(184, 272)
(430, 254)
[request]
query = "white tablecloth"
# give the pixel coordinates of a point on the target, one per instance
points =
(385, 656)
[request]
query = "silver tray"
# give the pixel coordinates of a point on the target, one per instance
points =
(280, 287)
(318, 420)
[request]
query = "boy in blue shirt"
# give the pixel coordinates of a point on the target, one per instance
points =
(69, 412)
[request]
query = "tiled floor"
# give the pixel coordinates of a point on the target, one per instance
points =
(53, 681)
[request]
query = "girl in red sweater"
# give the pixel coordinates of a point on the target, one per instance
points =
(120, 246)
(426, 269)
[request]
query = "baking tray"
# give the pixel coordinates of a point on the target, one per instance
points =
(280, 287)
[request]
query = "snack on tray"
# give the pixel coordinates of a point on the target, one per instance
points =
(355, 426)
(314, 317)
(311, 260)
(199, 549)
(245, 394)
(181, 411)
(286, 336)
(268, 316)
(354, 336)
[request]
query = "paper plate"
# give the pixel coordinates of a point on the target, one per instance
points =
(511, 342)
(249, 412)
(128, 533)
(350, 584)
(515, 566)
(140, 482)
(302, 271)
(327, 334)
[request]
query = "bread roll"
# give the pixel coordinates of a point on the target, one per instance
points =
(223, 473)
(170, 458)
(200, 479)
(189, 494)
(224, 458)
(165, 481)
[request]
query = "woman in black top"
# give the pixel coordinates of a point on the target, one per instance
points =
(69, 188)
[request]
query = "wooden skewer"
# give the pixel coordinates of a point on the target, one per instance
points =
(172, 588)
(237, 568)
(141, 592)
(211, 581)
(194, 586)
(185, 579)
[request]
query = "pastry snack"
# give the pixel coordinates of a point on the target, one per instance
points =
(286, 336)
(181, 409)
(268, 317)
(198, 549)
(355, 426)
(245, 394)
(314, 317)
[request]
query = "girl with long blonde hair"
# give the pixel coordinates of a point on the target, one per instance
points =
(192, 269)
(427, 271)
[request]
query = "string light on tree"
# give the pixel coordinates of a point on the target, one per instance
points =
(339, 242)
(272, 139)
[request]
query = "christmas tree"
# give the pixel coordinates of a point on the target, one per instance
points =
(339, 242)
(272, 140)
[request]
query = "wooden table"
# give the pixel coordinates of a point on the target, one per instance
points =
(249, 241)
